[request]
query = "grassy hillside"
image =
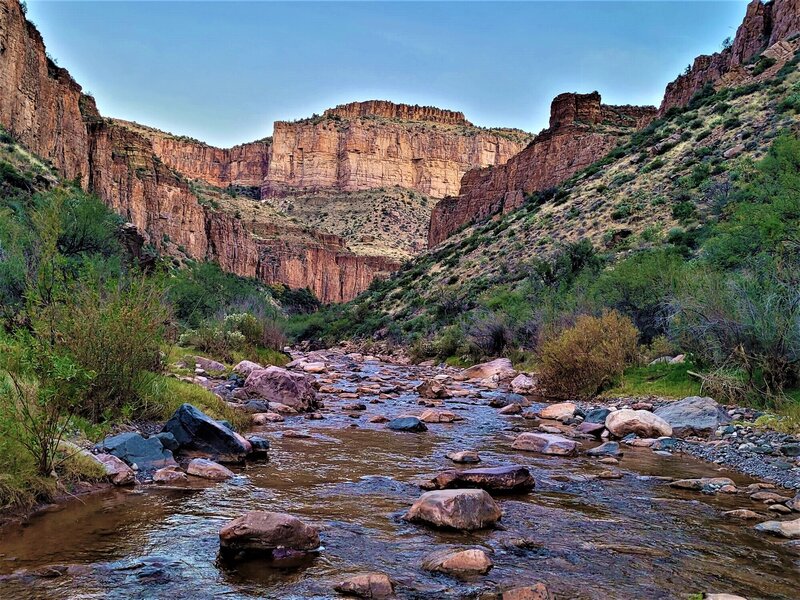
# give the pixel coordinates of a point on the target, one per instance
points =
(694, 215)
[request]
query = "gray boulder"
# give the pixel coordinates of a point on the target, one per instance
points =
(194, 430)
(148, 454)
(694, 415)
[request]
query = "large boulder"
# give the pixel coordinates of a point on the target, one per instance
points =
(245, 367)
(194, 430)
(366, 585)
(510, 478)
(546, 443)
(641, 422)
(523, 384)
(559, 411)
(501, 367)
(787, 529)
(473, 561)
(456, 509)
(265, 532)
(694, 415)
(148, 454)
(284, 387)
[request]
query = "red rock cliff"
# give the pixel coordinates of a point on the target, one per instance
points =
(764, 25)
(244, 165)
(40, 104)
(377, 144)
(582, 130)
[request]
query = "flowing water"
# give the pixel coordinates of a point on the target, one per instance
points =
(629, 538)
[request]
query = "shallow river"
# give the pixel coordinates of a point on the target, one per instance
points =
(629, 538)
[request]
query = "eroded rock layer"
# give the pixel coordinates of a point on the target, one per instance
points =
(581, 131)
(367, 145)
(764, 25)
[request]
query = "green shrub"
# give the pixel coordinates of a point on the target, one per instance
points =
(582, 359)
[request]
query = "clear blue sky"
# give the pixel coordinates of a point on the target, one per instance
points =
(224, 71)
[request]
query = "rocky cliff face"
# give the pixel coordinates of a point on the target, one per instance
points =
(581, 131)
(376, 144)
(40, 104)
(244, 165)
(764, 25)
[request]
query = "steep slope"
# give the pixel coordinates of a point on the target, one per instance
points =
(581, 131)
(661, 189)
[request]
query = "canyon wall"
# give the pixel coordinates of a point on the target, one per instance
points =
(366, 145)
(764, 25)
(40, 103)
(582, 130)
(245, 164)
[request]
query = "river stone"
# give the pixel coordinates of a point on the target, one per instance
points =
(641, 422)
(605, 449)
(545, 443)
(705, 484)
(260, 447)
(593, 429)
(454, 562)
(208, 469)
(596, 415)
(246, 367)
(534, 592)
(116, 470)
(694, 415)
(366, 585)
(465, 456)
(523, 384)
(148, 454)
(266, 417)
(412, 424)
(499, 366)
(510, 409)
(278, 385)
(559, 411)
(168, 441)
(314, 367)
(432, 389)
(787, 529)
(510, 478)
(439, 416)
(194, 430)
(741, 513)
(265, 532)
(457, 509)
(170, 475)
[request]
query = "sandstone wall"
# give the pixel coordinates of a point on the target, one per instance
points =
(763, 26)
(363, 153)
(582, 130)
(404, 112)
(40, 104)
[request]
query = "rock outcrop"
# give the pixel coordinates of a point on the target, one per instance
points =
(582, 130)
(374, 144)
(764, 25)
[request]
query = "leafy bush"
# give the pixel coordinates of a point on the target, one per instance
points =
(582, 359)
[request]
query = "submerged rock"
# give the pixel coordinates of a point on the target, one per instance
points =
(412, 424)
(194, 430)
(458, 562)
(265, 532)
(510, 478)
(641, 422)
(208, 469)
(694, 415)
(366, 585)
(545, 443)
(457, 509)
(787, 529)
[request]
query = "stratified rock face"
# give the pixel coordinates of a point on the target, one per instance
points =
(379, 144)
(582, 130)
(764, 25)
(244, 165)
(40, 104)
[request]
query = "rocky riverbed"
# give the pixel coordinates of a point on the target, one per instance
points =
(573, 503)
